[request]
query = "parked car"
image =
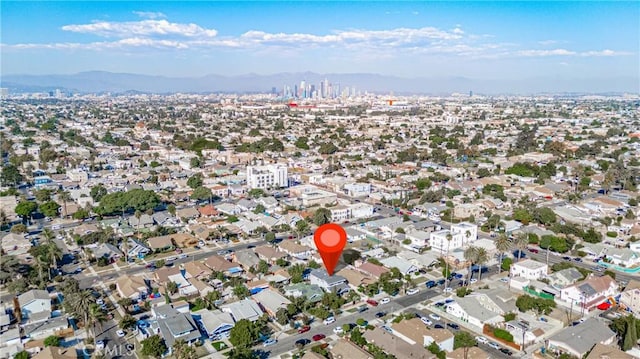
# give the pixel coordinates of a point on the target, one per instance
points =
(482, 340)
(412, 291)
(448, 290)
(431, 284)
(426, 321)
(438, 326)
(441, 282)
(473, 280)
(577, 259)
(302, 342)
(304, 329)
(434, 316)
(384, 300)
(566, 258)
(453, 326)
(380, 314)
(494, 345)
(506, 351)
(534, 250)
(329, 320)
(269, 342)
(318, 337)
(338, 330)
(372, 302)
(543, 319)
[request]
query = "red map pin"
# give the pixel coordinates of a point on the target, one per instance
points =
(330, 240)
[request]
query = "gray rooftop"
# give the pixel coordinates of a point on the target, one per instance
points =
(582, 337)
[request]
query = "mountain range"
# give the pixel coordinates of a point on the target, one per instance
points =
(102, 81)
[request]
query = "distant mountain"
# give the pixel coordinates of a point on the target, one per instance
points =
(101, 81)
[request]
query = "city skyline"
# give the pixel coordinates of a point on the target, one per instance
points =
(479, 40)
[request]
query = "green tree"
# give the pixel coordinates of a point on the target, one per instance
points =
(195, 162)
(302, 226)
(50, 209)
(256, 193)
(52, 341)
(241, 292)
(43, 195)
(19, 228)
(520, 242)
(127, 322)
(503, 244)
(263, 267)
(259, 209)
(195, 181)
(26, 209)
(631, 334)
(154, 346)
(270, 237)
(321, 216)
(21, 355)
(201, 193)
(97, 192)
(464, 340)
(296, 272)
(171, 209)
(357, 337)
(506, 264)
(243, 334)
(10, 175)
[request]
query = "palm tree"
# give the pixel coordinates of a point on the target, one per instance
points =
(481, 258)
(520, 242)
(95, 317)
(178, 348)
(503, 244)
(54, 253)
(470, 255)
(446, 259)
(210, 298)
(81, 303)
(4, 219)
(64, 197)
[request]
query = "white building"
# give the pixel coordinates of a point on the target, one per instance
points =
(357, 189)
(269, 176)
(529, 269)
(461, 234)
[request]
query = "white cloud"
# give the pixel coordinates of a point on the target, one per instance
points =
(150, 14)
(141, 28)
(544, 53)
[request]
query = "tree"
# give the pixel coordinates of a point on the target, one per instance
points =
(172, 287)
(52, 341)
(263, 267)
(302, 226)
(125, 303)
(49, 209)
(43, 195)
(195, 162)
(97, 192)
(19, 228)
(171, 209)
(127, 322)
(181, 350)
(26, 209)
(481, 258)
(154, 346)
(282, 316)
(631, 334)
(96, 317)
(357, 337)
(64, 196)
(321, 216)
(241, 291)
(21, 355)
(502, 245)
(10, 175)
(463, 340)
(195, 181)
(256, 193)
(506, 264)
(270, 237)
(259, 209)
(296, 272)
(243, 334)
(470, 255)
(201, 193)
(520, 242)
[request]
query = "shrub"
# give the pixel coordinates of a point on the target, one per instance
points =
(612, 234)
(503, 334)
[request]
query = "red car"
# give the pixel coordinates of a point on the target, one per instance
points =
(304, 329)
(533, 250)
(318, 337)
(372, 302)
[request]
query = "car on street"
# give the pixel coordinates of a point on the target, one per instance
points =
(426, 321)
(120, 333)
(506, 351)
(494, 345)
(449, 300)
(384, 300)
(504, 280)
(182, 256)
(412, 291)
(434, 316)
(363, 308)
(566, 258)
(473, 280)
(372, 302)
(543, 319)
(380, 314)
(338, 330)
(441, 281)
(577, 259)
(533, 250)
(438, 326)
(318, 337)
(431, 284)
(448, 290)
(302, 342)
(482, 340)
(453, 326)
(223, 252)
(304, 329)
(329, 320)
(269, 342)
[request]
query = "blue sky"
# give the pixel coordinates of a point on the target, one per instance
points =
(483, 40)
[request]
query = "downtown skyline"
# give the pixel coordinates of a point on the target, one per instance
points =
(506, 41)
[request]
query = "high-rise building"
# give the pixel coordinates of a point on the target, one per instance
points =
(269, 176)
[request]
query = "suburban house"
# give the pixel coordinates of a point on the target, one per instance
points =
(161, 243)
(404, 266)
(578, 340)
(219, 264)
(243, 309)
(175, 325)
(313, 293)
(532, 332)
(15, 244)
(296, 250)
(468, 309)
(33, 302)
(413, 331)
(530, 269)
(630, 297)
(271, 301)
(334, 283)
(108, 251)
(269, 254)
(133, 287)
(372, 270)
(590, 292)
(624, 257)
(396, 346)
(346, 349)
(442, 337)
(565, 277)
(135, 249)
(215, 323)
(601, 351)
(497, 300)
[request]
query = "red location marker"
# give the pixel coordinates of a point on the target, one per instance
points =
(330, 240)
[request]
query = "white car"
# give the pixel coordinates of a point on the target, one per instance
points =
(448, 290)
(182, 256)
(100, 301)
(473, 280)
(504, 280)
(384, 300)
(482, 340)
(329, 320)
(338, 330)
(426, 321)
(100, 345)
(413, 291)
(434, 316)
(120, 333)
(494, 345)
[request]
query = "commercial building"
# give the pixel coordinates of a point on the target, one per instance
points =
(265, 177)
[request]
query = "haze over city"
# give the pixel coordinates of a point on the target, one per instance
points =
(559, 46)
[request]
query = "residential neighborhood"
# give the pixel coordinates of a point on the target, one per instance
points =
(182, 226)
